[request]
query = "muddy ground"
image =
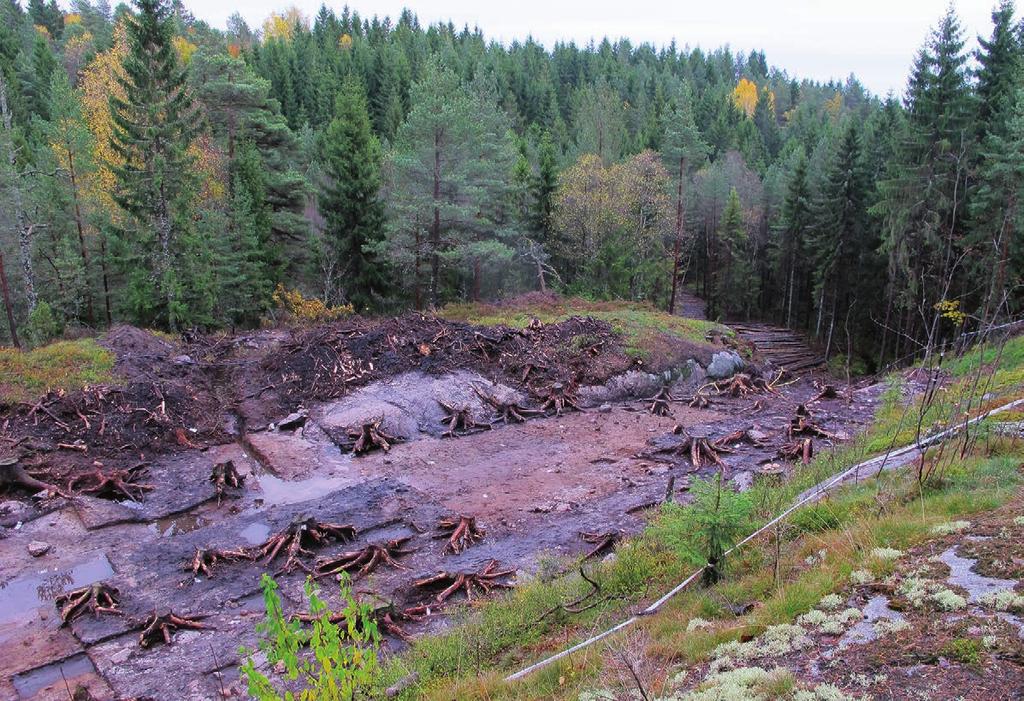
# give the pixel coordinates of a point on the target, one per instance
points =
(279, 405)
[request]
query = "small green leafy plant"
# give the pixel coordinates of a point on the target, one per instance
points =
(341, 661)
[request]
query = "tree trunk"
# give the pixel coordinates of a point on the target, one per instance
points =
(163, 230)
(90, 314)
(435, 229)
(7, 304)
(679, 237)
(476, 280)
(24, 231)
(417, 273)
(106, 279)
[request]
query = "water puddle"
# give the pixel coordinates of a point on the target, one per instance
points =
(877, 609)
(30, 683)
(276, 491)
(32, 591)
(183, 523)
(255, 533)
(962, 574)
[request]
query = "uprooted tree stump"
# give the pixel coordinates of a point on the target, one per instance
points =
(602, 542)
(741, 435)
(364, 560)
(206, 559)
(802, 425)
(160, 628)
(461, 532)
(742, 384)
(113, 484)
(558, 397)
(700, 400)
(225, 477)
(13, 474)
(661, 402)
(826, 392)
(370, 436)
(459, 420)
(98, 598)
(802, 450)
(507, 411)
(449, 583)
(699, 450)
(299, 538)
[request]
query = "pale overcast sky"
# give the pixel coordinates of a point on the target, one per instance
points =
(819, 39)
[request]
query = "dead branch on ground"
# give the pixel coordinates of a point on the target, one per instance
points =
(601, 541)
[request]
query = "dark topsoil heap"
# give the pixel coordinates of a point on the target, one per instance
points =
(201, 391)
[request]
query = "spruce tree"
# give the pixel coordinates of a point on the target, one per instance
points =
(353, 213)
(999, 58)
(545, 183)
(152, 128)
(792, 262)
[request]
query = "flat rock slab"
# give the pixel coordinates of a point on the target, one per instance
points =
(180, 482)
(408, 403)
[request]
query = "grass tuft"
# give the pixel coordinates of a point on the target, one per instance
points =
(64, 365)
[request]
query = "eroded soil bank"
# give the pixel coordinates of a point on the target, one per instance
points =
(282, 408)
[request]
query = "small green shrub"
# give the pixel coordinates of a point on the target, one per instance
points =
(342, 659)
(43, 325)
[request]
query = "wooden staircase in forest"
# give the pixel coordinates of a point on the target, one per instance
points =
(780, 346)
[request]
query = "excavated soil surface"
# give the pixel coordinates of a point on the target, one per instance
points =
(533, 487)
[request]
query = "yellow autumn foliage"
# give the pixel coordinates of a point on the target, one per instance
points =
(744, 96)
(281, 25)
(345, 42)
(834, 105)
(184, 48)
(305, 310)
(73, 18)
(99, 82)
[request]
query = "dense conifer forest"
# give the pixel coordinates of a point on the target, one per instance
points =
(170, 174)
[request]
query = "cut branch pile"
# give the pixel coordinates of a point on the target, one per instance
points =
(161, 628)
(459, 420)
(461, 532)
(450, 583)
(206, 558)
(299, 538)
(225, 478)
(508, 411)
(114, 484)
(661, 402)
(558, 398)
(364, 560)
(602, 542)
(801, 425)
(370, 436)
(95, 599)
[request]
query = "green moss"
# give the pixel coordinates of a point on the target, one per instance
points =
(965, 650)
(65, 365)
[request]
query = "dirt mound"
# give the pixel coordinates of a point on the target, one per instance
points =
(136, 349)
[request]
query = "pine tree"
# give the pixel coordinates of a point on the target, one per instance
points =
(353, 214)
(999, 58)
(735, 287)
(153, 126)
